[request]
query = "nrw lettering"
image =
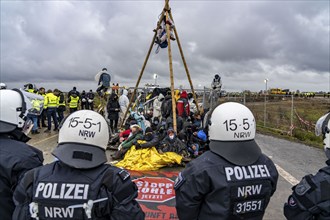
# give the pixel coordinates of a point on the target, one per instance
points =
(240, 135)
(57, 212)
(85, 133)
(249, 190)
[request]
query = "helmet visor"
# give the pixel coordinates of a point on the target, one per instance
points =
(320, 127)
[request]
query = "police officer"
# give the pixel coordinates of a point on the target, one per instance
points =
(29, 88)
(310, 199)
(233, 180)
(51, 104)
(61, 106)
(79, 185)
(83, 100)
(90, 100)
(73, 102)
(16, 157)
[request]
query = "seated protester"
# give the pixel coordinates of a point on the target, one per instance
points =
(136, 134)
(193, 149)
(197, 120)
(179, 123)
(125, 134)
(197, 142)
(161, 132)
(182, 106)
(166, 107)
(155, 123)
(192, 104)
(147, 121)
(151, 139)
(186, 132)
(139, 118)
(172, 143)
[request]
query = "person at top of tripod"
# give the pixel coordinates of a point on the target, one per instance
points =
(216, 82)
(161, 37)
(103, 78)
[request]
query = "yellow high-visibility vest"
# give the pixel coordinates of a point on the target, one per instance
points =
(74, 102)
(50, 101)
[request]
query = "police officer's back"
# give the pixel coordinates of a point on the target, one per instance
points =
(16, 157)
(310, 199)
(233, 180)
(79, 185)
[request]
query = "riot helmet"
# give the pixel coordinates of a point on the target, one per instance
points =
(82, 140)
(14, 106)
(3, 85)
(232, 130)
(323, 127)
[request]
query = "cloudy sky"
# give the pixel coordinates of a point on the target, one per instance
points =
(65, 43)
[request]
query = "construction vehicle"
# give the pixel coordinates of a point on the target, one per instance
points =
(278, 91)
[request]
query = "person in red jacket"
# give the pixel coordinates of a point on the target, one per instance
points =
(182, 105)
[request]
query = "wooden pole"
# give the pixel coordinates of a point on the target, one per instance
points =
(171, 69)
(184, 62)
(143, 67)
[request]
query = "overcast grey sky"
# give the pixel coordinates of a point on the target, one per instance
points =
(63, 44)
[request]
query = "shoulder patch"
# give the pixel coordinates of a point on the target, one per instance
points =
(124, 175)
(179, 181)
(302, 187)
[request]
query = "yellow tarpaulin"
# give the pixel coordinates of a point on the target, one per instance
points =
(148, 159)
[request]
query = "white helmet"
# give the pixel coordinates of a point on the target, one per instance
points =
(323, 127)
(13, 110)
(232, 131)
(3, 86)
(82, 140)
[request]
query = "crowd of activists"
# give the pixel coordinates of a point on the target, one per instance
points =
(226, 175)
(151, 122)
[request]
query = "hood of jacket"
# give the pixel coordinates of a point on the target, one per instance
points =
(161, 97)
(184, 94)
(125, 92)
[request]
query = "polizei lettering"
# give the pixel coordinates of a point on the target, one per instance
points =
(246, 172)
(85, 133)
(62, 191)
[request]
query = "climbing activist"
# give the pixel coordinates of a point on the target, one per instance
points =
(103, 78)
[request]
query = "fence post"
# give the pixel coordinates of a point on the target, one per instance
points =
(244, 101)
(291, 127)
(265, 113)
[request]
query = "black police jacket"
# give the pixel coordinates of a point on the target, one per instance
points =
(311, 197)
(16, 158)
(212, 188)
(58, 191)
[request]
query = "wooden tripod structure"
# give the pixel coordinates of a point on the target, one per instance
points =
(167, 14)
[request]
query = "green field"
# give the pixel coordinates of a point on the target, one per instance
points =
(280, 113)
